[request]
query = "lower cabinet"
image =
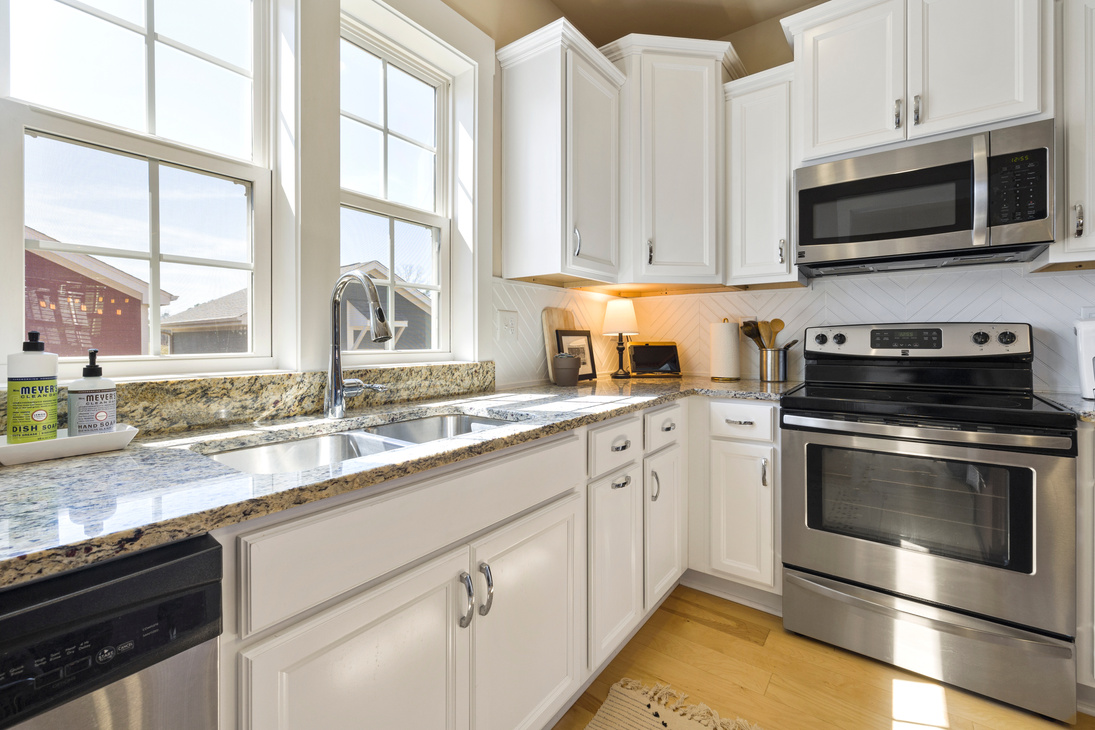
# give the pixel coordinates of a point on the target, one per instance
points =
(504, 609)
(664, 515)
(742, 483)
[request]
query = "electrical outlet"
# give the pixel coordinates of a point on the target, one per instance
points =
(507, 326)
(1087, 312)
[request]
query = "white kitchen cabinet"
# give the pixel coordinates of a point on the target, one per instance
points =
(615, 560)
(759, 186)
(671, 179)
(665, 522)
(742, 480)
(872, 72)
(560, 158)
(403, 653)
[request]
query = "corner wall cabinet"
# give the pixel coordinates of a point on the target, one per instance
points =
(560, 158)
(872, 72)
(671, 178)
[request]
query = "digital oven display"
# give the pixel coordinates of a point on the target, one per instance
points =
(918, 339)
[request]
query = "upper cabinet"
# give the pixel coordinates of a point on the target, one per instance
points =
(560, 158)
(873, 72)
(671, 144)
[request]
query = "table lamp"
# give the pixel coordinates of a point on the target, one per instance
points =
(620, 321)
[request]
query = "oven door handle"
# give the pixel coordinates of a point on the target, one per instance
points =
(929, 433)
(904, 610)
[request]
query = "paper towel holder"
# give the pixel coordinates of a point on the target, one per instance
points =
(725, 320)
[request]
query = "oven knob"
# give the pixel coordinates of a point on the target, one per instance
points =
(839, 338)
(981, 337)
(1006, 338)
(820, 339)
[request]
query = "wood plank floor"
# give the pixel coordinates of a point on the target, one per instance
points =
(740, 661)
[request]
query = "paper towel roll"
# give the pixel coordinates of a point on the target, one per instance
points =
(725, 362)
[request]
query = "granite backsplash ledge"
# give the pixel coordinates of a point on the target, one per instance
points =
(169, 406)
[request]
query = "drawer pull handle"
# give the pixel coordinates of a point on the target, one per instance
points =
(484, 568)
(623, 447)
(465, 620)
(621, 483)
(657, 486)
(764, 472)
(733, 422)
(669, 427)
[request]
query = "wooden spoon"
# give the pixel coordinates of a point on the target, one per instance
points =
(777, 327)
(766, 334)
(749, 327)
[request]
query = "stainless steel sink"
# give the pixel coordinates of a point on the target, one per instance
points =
(288, 456)
(431, 428)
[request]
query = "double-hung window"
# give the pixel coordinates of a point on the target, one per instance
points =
(137, 130)
(395, 221)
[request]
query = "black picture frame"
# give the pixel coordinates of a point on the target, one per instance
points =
(580, 343)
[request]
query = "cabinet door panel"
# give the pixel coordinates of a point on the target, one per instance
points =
(742, 481)
(593, 165)
(665, 516)
(394, 652)
(851, 77)
(972, 62)
(528, 646)
(680, 175)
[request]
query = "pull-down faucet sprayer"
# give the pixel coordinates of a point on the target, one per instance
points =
(334, 398)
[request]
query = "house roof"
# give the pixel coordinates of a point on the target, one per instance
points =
(229, 308)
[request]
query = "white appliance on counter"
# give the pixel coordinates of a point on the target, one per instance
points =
(1085, 347)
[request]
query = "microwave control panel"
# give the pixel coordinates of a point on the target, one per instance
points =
(1018, 188)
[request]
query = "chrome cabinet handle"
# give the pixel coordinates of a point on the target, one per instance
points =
(671, 427)
(1079, 219)
(484, 568)
(650, 251)
(578, 246)
(782, 243)
(465, 620)
(764, 472)
(732, 422)
(621, 483)
(897, 114)
(916, 109)
(657, 486)
(623, 447)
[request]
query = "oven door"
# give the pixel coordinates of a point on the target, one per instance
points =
(979, 522)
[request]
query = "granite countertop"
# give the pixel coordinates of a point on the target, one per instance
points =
(62, 514)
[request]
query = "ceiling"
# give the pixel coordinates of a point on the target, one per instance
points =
(603, 21)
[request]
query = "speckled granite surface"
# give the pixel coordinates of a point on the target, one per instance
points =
(173, 406)
(1084, 409)
(58, 515)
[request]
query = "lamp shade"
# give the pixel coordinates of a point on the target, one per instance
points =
(620, 318)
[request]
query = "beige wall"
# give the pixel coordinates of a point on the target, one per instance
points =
(763, 46)
(505, 21)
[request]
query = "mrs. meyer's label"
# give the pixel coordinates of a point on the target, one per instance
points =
(93, 411)
(32, 409)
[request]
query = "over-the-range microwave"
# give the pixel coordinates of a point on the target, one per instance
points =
(981, 198)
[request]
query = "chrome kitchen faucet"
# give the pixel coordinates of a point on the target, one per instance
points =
(334, 398)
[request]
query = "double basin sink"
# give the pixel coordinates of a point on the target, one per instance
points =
(307, 453)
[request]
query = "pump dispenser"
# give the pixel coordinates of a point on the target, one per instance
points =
(32, 393)
(92, 401)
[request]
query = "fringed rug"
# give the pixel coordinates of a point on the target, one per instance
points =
(631, 706)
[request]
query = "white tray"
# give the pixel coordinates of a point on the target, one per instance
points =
(65, 445)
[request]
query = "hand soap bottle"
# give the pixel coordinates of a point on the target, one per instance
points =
(32, 393)
(92, 401)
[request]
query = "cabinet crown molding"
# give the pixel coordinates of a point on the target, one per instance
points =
(556, 34)
(637, 44)
(794, 25)
(760, 80)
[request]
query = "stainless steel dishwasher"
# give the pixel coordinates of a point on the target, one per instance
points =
(128, 643)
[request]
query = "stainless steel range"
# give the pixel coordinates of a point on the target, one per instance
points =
(929, 508)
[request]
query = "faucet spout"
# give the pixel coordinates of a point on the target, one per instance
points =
(334, 397)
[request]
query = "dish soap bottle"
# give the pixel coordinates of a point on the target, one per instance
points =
(92, 401)
(32, 393)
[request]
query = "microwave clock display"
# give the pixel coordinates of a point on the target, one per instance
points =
(908, 339)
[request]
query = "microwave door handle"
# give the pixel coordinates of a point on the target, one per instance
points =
(980, 190)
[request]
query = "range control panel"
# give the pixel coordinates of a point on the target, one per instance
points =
(944, 339)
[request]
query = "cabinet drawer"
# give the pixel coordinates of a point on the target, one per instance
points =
(737, 420)
(301, 563)
(662, 427)
(613, 446)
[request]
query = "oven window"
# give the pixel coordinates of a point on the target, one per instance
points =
(917, 203)
(976, 512)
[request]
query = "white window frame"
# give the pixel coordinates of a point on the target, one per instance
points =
(357, 33)
(17, 118)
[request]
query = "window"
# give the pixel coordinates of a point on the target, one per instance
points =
(145, 216)
(394, 221)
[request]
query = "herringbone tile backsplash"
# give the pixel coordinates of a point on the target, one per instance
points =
(1049, 302)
